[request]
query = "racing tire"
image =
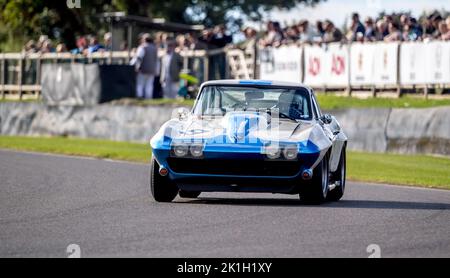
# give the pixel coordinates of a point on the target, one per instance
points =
(339, 176)
(189, 194)
(162, 188)
(316, 191)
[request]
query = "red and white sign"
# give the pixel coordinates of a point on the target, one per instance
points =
(373, 63)
(385, 64)
(327, 65)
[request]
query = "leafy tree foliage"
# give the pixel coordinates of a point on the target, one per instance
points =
(24, 19)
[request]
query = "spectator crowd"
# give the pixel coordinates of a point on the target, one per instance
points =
(388, 28)
(159, 76)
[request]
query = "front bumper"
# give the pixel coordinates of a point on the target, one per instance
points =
(236, 171)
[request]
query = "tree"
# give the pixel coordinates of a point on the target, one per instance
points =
(21, 20)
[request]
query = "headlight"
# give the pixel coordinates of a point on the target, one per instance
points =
(196, 150)
(290, 153)
(180, 150)
(273, 152)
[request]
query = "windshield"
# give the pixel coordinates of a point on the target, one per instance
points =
(286, 102)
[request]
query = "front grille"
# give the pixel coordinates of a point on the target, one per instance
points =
(234, 167)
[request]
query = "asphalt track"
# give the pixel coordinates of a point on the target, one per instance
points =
(48, 202)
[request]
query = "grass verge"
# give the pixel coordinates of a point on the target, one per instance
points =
(327, 102)
(415, 170)
(82, 147)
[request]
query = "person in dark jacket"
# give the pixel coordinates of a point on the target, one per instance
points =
(145, 62)
(171, 66)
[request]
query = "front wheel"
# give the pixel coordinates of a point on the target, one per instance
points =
(316, 191)
(339, 178)
(162, 188)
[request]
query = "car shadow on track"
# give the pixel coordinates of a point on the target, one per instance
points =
(372, 204)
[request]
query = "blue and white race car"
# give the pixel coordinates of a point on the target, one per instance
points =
(250, 136)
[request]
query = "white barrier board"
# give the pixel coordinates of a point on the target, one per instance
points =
(385, 64)
(437, 62)
(361, 63)
(281, 64)
(412, 63)
(326, 65)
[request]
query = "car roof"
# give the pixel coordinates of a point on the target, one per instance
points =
(248, 82)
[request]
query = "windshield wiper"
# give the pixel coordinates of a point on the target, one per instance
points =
(282, 115)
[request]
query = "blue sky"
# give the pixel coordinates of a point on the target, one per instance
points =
(339, 10)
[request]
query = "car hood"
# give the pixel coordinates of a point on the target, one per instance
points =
(240, 127)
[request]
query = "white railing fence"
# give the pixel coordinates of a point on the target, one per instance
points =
(334, 66)
(360, 65)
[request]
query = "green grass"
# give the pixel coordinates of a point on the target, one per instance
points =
(328, 102)
(82, 147)
(416, 170)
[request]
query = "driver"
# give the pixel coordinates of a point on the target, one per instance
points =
(291, 104)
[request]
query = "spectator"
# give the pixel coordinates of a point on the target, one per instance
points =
(382, 30)
(394, 33)
(206, 38)
(291, 34)
(306, 33)
(181, 43)
(40, 42)
(47, 47)
(370, 32)
(144, 62)
(416, 29)
(444, 31)
(410, 31)
(332, 34)
(30, 47)
(81, 46)
(250, 40)
(428, 28)
(220, 38)
(107, 39)
(61, 48)
(404, 20)
(436, 19)
(320, 29)
(171, 66)
(194, 43)
(94, 45)
(356, 27)
(273, 36)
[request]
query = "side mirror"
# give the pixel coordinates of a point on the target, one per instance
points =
(182, 113)
(326, 119)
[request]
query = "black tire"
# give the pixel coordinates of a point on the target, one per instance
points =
(339, 176)
(316, 191)
(189, 194)
(163, 190)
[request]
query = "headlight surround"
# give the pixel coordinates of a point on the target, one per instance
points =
(196, 150)
(290, 153)
(180, 150)
(272, 152)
